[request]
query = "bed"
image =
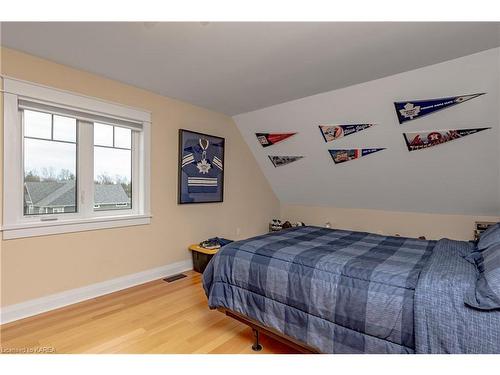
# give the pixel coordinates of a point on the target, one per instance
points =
(337, 291)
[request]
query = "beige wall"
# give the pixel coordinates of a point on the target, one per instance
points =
(39, 266)
(409, 224)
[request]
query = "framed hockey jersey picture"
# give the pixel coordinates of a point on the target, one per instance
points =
(201, 168)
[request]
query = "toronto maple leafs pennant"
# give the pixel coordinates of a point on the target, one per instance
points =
(421, 140)
(332, 132)
(411, 110)
(341, 156)
(279, 161)
(269, 139)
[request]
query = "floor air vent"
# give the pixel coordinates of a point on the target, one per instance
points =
(174, 277)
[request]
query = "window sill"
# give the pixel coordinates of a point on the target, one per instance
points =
(70, 226)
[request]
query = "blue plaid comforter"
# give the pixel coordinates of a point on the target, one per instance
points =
(444, 324)
(352, 292)
(337, 291)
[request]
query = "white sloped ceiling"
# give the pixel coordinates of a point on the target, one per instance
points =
(458, 177)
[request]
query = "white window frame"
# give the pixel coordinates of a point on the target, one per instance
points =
(18, 225)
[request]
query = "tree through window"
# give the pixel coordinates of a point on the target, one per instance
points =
(112, 167)
(49, 163)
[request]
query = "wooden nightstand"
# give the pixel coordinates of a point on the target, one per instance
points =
(201, 257)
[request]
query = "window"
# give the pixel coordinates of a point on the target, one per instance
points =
(49, 163)
(84, 162)
(112, 168)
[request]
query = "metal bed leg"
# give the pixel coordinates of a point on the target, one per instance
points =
(256, 347)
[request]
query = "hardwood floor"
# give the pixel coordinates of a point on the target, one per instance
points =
(156, 317)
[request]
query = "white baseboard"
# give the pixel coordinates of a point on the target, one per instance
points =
(69, 297)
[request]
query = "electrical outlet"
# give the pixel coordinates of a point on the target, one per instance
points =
(238, 231)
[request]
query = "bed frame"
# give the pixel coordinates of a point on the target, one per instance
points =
(270, 332)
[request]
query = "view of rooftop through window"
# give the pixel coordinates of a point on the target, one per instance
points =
(49, 163)
(112, 167)
(50, 167)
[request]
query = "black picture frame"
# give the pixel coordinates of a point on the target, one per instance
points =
(187, 138)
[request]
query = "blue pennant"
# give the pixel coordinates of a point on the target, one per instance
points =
(411, 110)
(343, 155)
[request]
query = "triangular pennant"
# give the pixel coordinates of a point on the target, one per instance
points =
(411, 110)
(332, 132)
(420, 140)
(269, 139)
(279, 161)
(341, 156)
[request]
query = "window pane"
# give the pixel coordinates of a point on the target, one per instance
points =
(37, 124)
(49, 177)
(103, 135)
(64, 129)
(123, 137)
(112, 179)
